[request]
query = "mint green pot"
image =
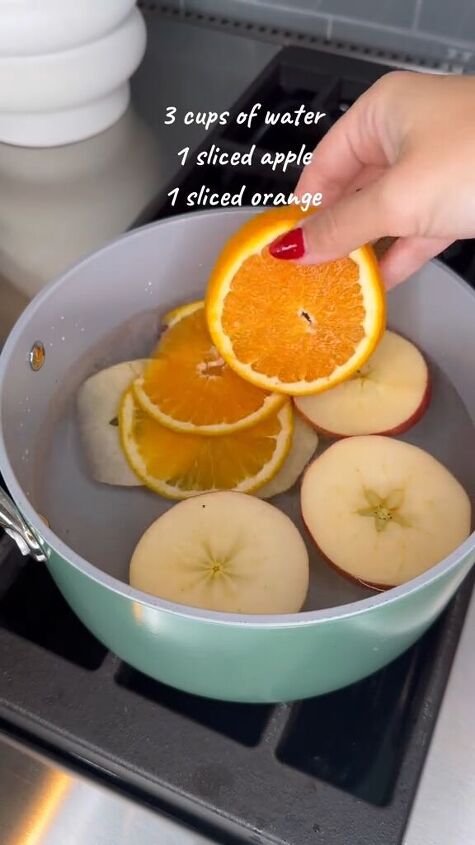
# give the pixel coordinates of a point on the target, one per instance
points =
(244, 661)
(87, 548)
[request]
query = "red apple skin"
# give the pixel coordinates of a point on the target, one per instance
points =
(417, 415)
(392, 432)
(378, 588)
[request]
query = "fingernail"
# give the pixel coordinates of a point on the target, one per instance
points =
(288, 246)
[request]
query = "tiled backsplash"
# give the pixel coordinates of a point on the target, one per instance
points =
(441, 31)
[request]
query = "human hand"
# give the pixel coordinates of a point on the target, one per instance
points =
(399, 163)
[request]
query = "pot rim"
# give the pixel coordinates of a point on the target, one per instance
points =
(72, 558)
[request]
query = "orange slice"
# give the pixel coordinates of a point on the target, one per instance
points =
(176, 314)
(189, 388)
(289, 327)
(181, 465)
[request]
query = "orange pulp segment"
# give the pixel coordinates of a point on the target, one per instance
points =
(188, 387)
(178, 465)
(290, 327)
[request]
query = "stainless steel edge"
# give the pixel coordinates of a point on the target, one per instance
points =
(15, 526)
(444, 809)
(43, 803)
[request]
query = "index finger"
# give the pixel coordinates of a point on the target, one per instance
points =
(350, 146)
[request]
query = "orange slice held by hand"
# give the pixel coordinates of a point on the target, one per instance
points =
(287, 327)
(178, 465)
(189, 388)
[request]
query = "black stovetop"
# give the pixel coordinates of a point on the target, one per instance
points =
(335, 770)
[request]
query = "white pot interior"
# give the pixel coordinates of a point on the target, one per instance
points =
(106, 310)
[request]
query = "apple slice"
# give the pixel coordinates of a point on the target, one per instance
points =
(224, 551)
(383, 511)
(304, 445)
(387, 396)
(98, 403)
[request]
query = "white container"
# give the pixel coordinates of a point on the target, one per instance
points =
(62, 96)
(28, 27)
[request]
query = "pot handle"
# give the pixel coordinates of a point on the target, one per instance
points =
(15, 526)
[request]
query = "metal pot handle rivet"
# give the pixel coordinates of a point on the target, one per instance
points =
(15, 526)
(37, 355)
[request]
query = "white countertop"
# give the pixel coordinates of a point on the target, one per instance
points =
(59, 204)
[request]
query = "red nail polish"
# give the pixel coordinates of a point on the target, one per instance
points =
(288, 246)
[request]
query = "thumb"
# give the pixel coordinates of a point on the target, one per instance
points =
(334, 232)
